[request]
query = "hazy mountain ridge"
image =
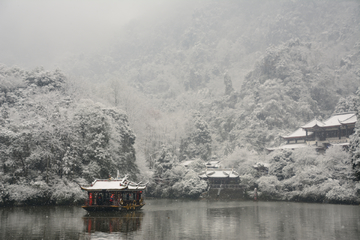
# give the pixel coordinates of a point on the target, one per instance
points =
(226, 35)
(279, 55)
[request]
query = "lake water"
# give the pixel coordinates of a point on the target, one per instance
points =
(185, 219)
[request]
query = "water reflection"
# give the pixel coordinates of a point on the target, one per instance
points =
(40, 222)
(113, 222)
(185, 219)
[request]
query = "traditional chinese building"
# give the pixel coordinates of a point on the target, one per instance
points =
(223, 183)
(321, 134)
(213, 164)
(221, 178)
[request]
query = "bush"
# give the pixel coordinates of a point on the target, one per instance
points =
(191, 186)
(37, 194)
(40, 193)
(65, 192)
(270, 187)
(342, 194)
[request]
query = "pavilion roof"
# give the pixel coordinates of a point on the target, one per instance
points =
(333, 121)
(219, 173)
(213, 164)
(339, 119)
(350, 120)
(313, 123)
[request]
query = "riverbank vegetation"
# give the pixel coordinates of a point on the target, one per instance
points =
(220, 80)
(307, 176)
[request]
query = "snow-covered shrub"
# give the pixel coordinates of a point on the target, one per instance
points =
(342, 194)
(278, 161)
(172, 180)
(190, 186)
(248, 180)
(197, 165)
(66, 192)
(336, 162)
(311, 194)
(242, 160)
(37, 194)
(317, 192)
(270, 187)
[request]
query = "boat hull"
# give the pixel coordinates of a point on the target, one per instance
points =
(111, 208)
(101, 208)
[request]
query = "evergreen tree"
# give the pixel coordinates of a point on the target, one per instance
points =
(198, 142)
(355, 141)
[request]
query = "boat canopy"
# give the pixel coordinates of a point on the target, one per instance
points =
(114, 185)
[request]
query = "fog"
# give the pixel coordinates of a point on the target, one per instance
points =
(144, 86)
(43, 32)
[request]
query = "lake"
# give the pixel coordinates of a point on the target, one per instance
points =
(186, 219)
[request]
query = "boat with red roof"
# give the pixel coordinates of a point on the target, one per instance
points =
(114, 194)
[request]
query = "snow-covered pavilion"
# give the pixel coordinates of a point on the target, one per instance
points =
(321, 134)
(221, 178)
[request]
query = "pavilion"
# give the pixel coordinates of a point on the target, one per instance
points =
(321, 134)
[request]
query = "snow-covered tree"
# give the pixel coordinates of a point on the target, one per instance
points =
(355, 141)
(198, 142)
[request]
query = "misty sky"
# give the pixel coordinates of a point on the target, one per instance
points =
(42, 32)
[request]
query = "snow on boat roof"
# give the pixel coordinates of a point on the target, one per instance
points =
(103, 184)
(136, 187)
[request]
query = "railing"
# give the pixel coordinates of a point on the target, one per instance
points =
(328, 140)
(225, 186)
(114, 203)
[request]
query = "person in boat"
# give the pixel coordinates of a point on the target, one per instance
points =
(90, 199)
(99, 199)
(112, 199)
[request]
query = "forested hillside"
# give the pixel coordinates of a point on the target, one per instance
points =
(207, 80)
(279, 56)
(50, 140)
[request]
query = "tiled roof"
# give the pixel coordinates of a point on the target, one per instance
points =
(213, 164)
(219, 173)
(333, 121)
(352, 119)
(313, 123)
(337, 120)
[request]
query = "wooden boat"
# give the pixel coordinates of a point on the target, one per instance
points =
(114, 195)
